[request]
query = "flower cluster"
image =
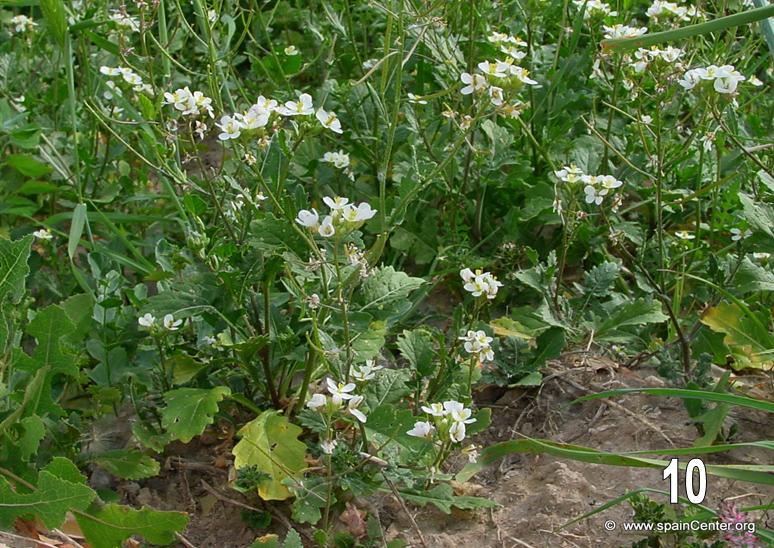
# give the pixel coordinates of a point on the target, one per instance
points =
(188, 102)
(480, 283)
(448, 421)
(128, 76)
(644, 57)
(339, 160)
(339, 394)
(259, 115)
(741, 529)
(365, 372)
(22, 24)
(671, 10)
(509, 45)
(596, 187)
(594, 8)
(124, 21)
(479, 344)
(148, 321)
(342, 213)
(623, 31)
(724, 78)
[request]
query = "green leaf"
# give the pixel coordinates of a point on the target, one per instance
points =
(749, 340)
(417, 347)
(759, 216)
(51, 328)
(76, 229)
(367, 344)
(51, 500)
(751, 473)
(753, 277)
(114, 523)
(392, 423)
(126, 464)
(271, 443)
(600, 279)
(28, 441)
(442, 497)
(28, 165)
(13, 273)
(706, 395)
(55, 18)
(311, 498)
(385, 286)
(190, 410)
(638, 312)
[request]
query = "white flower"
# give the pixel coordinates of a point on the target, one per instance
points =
(327, 447)
(727, 84)
(326, 229)
(495, 70)
(336, 204)
(316, 401)
(480, 283)
(737, 234)
(212, 16)
(569, 174)
(522, 75)
(43, 234)
(496, 96)
(434, 409)
(685, 235)
(478, 343)
(22, 23)
(365, 372)
(146, 320)
(690, 79)
(263, 103)
(171, 323)
(513, 52)
(291, 50)
(124, 21)
(200, 129)
(230, 128)
(254, 118)
(416, 99)
(594, 196)
(309, 219)
(755, 81)
(364, 212)
(623, 31)
(329, 120)
(594, 7)
(609, 182)
(473, 82)
(352, 409)
(472, 453)
(761, 256)
(302, 107)
(422, 429)
(112, 71)
(340, 391)
(457, 432)
(339, 159)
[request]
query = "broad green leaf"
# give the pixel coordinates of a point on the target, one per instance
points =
(126, 464)
(113, 524)
(417, 347)
(76, 229)
(749, 341)
(442, 497)
(507, 327)
(51, 500)
(385, 285)
(271, 443)
(637, 312)
(32, 432)
(310, 499)
(13, 273)
(367, 344)
(759, 216)
(190, 410)
(600, 279)
(391, 423)
(28, 165)
(753, 277)
(51, 328)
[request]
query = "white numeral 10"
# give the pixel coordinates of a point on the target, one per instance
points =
(671, 472)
